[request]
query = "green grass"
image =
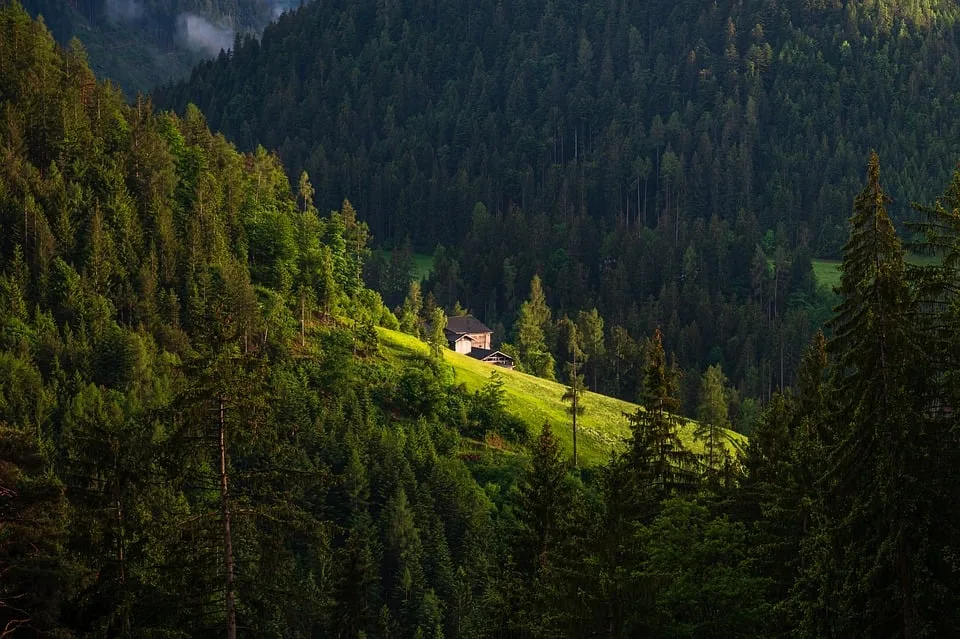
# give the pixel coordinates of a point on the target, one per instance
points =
(600, 429)
(827, 273)
(422, 264)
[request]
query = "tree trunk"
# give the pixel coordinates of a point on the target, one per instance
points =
(227, 537)
(575, 394)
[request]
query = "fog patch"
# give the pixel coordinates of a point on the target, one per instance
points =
(124, 10)
(201, 35)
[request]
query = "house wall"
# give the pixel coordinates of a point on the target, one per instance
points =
(463, 346)
(480, 340)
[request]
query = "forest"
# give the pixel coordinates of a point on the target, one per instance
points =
(138, 44)
(200, 432)
(667, 164)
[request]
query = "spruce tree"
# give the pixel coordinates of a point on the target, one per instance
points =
(879, 573)
(575, 387)
(530, 329)
(659, 464)
(714, 417)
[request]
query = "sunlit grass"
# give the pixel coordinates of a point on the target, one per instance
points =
(827, 273)
(601, 428)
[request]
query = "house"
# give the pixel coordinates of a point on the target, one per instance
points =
(468, 326)
(469, 336)
(489, 356)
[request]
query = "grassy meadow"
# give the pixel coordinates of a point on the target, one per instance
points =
(600, 429)
(827, 273)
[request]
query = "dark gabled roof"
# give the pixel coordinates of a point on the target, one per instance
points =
(466, 324)
(484, 353)
(453, 336)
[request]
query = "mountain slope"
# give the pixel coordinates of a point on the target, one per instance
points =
(138, 44)
(602, 428)
(671, 164)
(416, 110)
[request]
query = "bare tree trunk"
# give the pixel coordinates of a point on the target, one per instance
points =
(575, 393)
(227, 537)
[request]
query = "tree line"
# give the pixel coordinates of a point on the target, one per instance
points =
(199, 435)
(669, 165)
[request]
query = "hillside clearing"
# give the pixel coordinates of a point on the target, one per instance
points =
(601, 428)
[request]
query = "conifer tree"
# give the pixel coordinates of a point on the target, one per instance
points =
(545, 540)
(590, 331)
(532, 322)
(438, 339)
(880, 503)
(39, 577)
(713, 415)
(410, 321)
(575, 386)
(659, 465)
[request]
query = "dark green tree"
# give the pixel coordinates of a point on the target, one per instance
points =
(879, 576)
(534, 317)
(575, 387)
(714, 419)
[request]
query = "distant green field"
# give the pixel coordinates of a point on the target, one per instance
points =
(600, 429)
(422, 264)
(827, 273)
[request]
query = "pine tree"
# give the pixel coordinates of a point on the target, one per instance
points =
(532, 322)
(545, 541)
(39, 576)
(659, 465)
(575, 387)
(590, 330)
(714, 418)
(881, 499)
(410, 321)
(438, 338)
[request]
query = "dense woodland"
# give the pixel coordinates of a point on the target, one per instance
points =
(668, 164)
(198, 434)
(138, 44)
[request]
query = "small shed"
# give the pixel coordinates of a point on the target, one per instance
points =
(497, 358)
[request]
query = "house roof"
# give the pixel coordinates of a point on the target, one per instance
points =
(466, 324)
(454, 336)
(483, 353)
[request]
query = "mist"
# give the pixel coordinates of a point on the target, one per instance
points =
(199, 34)
(124, 10)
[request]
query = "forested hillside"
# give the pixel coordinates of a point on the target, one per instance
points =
(139, 44)
(195, 440)
(671, 164)
(625, 112)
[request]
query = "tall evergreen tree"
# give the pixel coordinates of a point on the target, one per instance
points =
(545, 542)
(532, 323)
(714, 417)
(880, 571)
(575, 387)
(659, 465)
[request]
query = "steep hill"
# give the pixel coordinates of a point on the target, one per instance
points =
(138, 44)
(602, 428)
(672, 164)
(416, 110)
